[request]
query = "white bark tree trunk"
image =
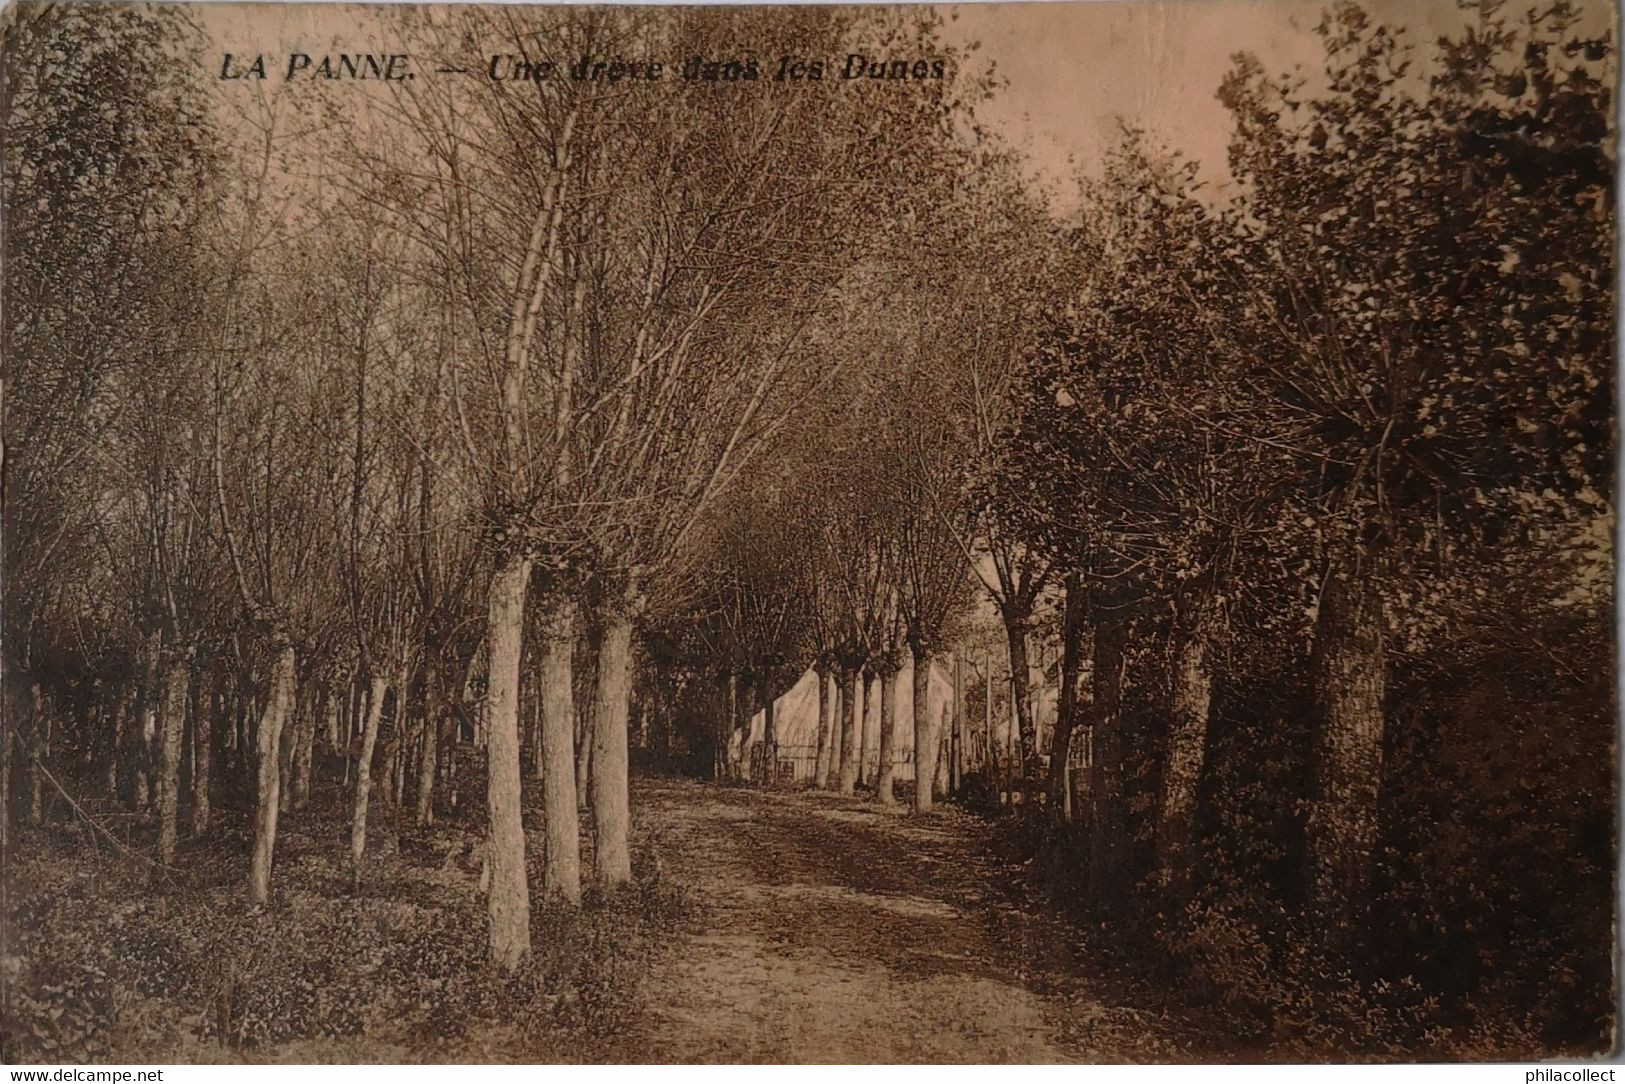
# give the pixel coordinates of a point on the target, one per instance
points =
(278, 704)
(508, 900)
(925, 748)
(868, 725)
(363, 780)
(610, 801)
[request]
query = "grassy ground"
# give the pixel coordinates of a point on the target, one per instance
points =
(107, 959)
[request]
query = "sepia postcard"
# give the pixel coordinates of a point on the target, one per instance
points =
(902, 534)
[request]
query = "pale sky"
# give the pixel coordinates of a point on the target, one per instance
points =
(1074, 68)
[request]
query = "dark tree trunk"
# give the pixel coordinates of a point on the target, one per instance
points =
(770, 743)
(825, 746)
(745, 705)
(586, 705)
(1349, 677)
(851, 724)
(867, 730)
(431, 743)
(1106, 836)
(888, 738)
(561, 867)
(177, 674)
(1016, 630)
(725, 728)
(209, 701)
(1187, 746)
(304, 748)
(837, 726)
(1068, 696)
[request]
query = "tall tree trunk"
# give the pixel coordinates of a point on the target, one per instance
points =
(7, 737)
(304, 748)
(405, 734)
(561, 871)
(1067, 696)
(837, 727)
(120, 719)
(1187, 748)
(825, 746)
(770, 742)
(1348, 672)
(152, 695)
(333, 700)
(584, 675)
(385, 759)
(584, 738)
(867, 730)
(16, 705)
(956, 732)
(925, 735)
(1106, 828)
(278, 705)
(746, 708)
(725, 728)
(1016, 630)
(431, 744)
(209, 701)
(536, 763)
(354, 718)
(508, 899)
(888, 738)
(989, 748)
(41, 735)
(851, 724)
(611, 807)
(176, 681)
(288, 739)
(363, 779)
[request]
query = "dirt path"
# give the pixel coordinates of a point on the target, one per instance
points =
(837, 933)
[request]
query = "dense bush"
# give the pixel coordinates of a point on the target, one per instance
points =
(1488, 931)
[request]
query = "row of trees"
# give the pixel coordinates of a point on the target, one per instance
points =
(363, 412)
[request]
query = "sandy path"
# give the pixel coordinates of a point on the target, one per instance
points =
(833, 933)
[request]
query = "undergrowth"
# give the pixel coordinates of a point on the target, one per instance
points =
(96, 949)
